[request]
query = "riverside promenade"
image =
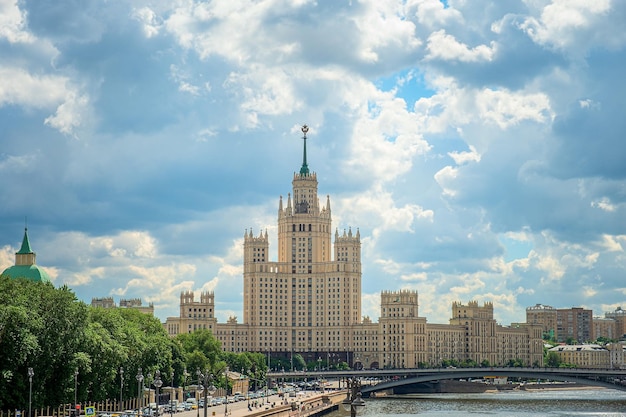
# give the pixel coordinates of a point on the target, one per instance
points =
(305, 404)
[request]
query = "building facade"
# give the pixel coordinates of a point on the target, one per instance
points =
(545, 316)
(574, 324)
(134, 303)
(309, 302)
(619, 316)
(591, 355)
(605, 327)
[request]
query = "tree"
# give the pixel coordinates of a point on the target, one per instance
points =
(41, 327)
(553, 360)
(49, 330)
(298, 362)
(200, 350)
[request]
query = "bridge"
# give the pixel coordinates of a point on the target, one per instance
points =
(391, 378)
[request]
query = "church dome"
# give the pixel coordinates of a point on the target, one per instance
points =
(25, 267)
(30, 272)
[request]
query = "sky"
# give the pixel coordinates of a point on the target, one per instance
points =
(474, 144)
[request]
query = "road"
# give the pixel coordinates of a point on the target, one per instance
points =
(238, 409)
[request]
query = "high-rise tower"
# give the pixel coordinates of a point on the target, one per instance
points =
(306, 301)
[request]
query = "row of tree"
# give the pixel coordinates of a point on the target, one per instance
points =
(99, 351)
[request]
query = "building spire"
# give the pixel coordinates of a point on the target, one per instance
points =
(25, 248)
(305, 168)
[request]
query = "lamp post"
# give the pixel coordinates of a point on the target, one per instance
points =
(319, 370)
(139, 391)
(31, 373)
(353, 402)
(171, 395)
(121, 385)
(157, 384)
(225, 402)
(248, 389)
(207, 389)
(75, 389)
(185, 375)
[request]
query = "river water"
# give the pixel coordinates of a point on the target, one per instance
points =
(566, 403)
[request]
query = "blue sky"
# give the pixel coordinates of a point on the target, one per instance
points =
(477, 146)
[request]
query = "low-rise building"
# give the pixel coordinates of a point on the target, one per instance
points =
(584, 356)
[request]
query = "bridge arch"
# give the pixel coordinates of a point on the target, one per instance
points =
(473, 373)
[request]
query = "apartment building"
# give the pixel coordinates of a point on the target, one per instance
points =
(309, 301)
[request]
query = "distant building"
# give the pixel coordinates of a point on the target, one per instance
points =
(545, 316)
(575, 324)
(25, 266)
(134, 303)
(605, 327)
(309, 302)
(585, 355)
(619, 316)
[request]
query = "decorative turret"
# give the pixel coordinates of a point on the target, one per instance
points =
(255, 249)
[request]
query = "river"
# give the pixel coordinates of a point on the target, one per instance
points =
(553, 403)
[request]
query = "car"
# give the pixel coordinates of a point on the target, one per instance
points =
(180, 407)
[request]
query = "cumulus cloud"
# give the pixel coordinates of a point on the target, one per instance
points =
(477, 146)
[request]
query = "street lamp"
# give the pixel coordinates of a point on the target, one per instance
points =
(225, 402)
(171, 395)
(31, 373)
(75, 389)
(207, 389)
(185, 375)
(157, 384)
(121, 385)
(353, 402)
(139, 391)
(248, 388)
(319, 370)
(200, 376)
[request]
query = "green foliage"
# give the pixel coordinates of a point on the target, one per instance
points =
(49, 330)
(552, 360)
(605, 340)
(199, 350)
(515, 363)
(298, 362)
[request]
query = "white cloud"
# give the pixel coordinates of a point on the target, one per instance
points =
(604, 204)
(149, 19)
(444, 46)
(13, 23)
(382, 26)
(574, 25)
(506, 109)
(461, 158)
(438, 130)
(68, 115)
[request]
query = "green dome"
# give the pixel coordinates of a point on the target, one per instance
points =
(25, 266)
(30, 272)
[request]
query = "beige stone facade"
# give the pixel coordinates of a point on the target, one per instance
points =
(584, 356)
(605, 327)
(309, 302)
(134, 303)
(619, 316)
(545, 316)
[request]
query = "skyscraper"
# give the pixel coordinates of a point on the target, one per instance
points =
(309, 302)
